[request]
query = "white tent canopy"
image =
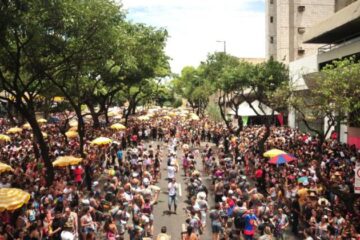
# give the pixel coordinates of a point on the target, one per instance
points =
(246, 110)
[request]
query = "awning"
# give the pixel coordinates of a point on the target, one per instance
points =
(246, 110)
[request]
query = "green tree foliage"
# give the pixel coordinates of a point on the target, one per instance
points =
(333, 94)
(84, 51)
(192, 85)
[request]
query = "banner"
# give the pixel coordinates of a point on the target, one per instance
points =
(245, 120)
(357, 180)
(280, 118)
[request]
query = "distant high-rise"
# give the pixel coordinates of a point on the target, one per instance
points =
(287, 22)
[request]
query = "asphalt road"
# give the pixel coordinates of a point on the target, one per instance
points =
(174, 222)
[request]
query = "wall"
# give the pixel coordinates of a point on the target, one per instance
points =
(300, 67)
(340, 4)
(287, 20)
(354, 136)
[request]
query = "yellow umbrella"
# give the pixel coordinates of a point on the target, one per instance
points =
(195, 117)
(14, 130)
(5, 138)
(73, 123)
(12, 198)
(117, 117)
(144, 118)
(73, 129)
(5, 168)
(71, 134)
(64, 161)
(118, 126)
(273, 153)
(58, 99)
(42, 120)
(26, 126)
(112, 114)
(173, 114)
(101, 141)
(167, 117)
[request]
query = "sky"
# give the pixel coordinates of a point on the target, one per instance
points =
(195, 26)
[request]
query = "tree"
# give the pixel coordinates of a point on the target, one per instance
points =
(193, 86)
(268, 78)
(333, 94)
(227, 73)
(25, 41)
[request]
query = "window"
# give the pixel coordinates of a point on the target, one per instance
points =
(271, 39)
(271, 19)
(301, 30)
(271, 1)
(301, 51)
(301, 8)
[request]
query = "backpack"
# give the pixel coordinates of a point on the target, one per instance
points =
(239, 221)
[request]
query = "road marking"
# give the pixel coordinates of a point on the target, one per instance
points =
(180, 192)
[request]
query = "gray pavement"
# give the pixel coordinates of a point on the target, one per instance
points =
(174, 222)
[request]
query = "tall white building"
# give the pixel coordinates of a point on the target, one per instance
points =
(287, 21)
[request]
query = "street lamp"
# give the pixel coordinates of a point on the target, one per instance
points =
(224, 42)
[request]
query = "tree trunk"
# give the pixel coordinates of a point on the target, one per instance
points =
(81, 130)
(262, 141)
(223, 116)
(94, 115)
(106, 113)
(38, 137)
(9, 108)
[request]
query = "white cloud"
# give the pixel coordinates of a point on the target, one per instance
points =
(194, 27)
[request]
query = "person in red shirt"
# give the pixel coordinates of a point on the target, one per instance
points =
(78, 172)
(259, 176)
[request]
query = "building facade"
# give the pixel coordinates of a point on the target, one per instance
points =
(338, 37)
(287, 21)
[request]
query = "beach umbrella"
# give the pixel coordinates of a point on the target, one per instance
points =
(194, 117)
(118, 117)
(281, 159)
(14, 130)
(64, 161)
(101, 141)
(167, 117)
(273, 152)
(118, 126)
(144, 118)
(73, 129)
(73, 123)
(58, 99)
(5, 138)
(12, 198)
(26, 126)
(71, 134)
(5, 168)
(41, 120)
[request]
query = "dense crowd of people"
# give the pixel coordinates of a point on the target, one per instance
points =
(112, 193)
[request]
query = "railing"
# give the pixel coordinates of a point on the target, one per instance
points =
(345, 41)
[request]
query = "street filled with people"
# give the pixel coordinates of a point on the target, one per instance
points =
(294, 189)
